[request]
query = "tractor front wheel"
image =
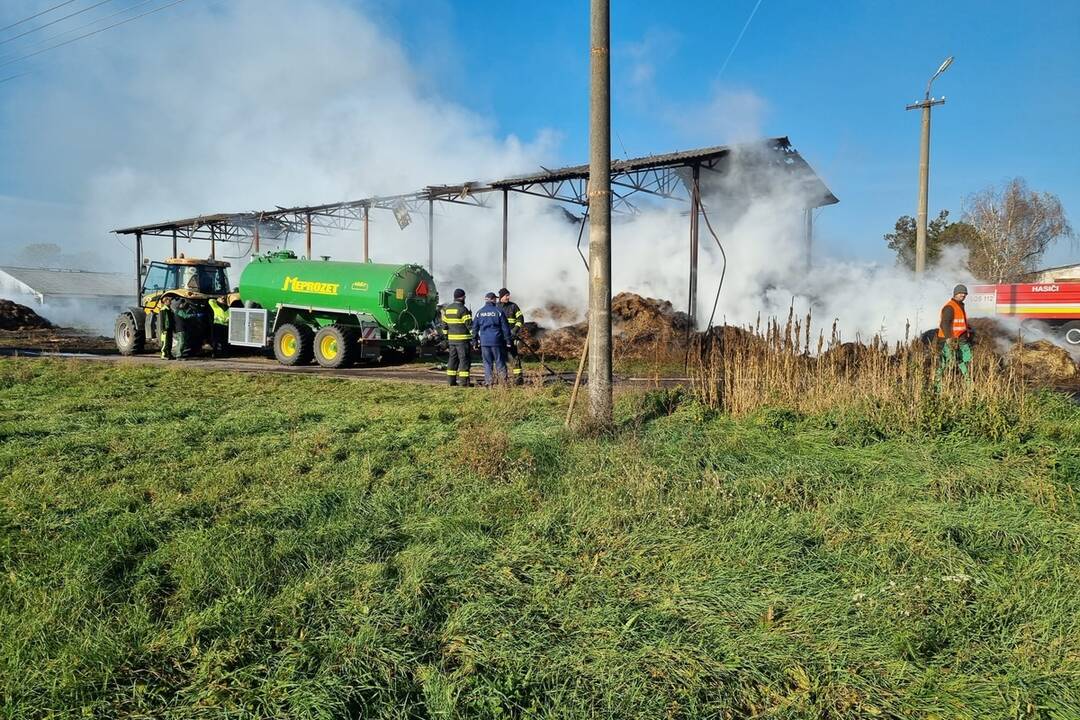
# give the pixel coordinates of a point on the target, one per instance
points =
(293, 344)
(128, 335)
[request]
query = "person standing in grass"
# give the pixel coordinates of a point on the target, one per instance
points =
(954, 333)
(492, 331)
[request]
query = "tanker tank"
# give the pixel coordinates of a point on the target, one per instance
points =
(338, 311)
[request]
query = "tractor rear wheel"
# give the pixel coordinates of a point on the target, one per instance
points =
(128, 335)
(293, 344)
(335, 346)
(1071, 332)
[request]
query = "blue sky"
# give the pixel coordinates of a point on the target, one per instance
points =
(833, 76)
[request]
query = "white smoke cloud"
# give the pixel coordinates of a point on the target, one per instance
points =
(229, 108)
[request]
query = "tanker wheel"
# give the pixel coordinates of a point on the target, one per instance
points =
(335, 347)
(1071, 332)
(129, 339)
(293, 344)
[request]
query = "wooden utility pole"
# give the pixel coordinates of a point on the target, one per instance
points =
(600, 215)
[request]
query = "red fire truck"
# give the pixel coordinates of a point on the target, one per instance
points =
(1057, 304)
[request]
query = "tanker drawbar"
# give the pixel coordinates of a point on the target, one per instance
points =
(333, 312)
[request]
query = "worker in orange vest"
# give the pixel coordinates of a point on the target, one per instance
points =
(955, 334)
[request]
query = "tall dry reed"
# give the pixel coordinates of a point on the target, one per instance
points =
(741, 370)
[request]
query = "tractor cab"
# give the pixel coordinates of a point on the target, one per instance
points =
(190, 278)
(194, 280)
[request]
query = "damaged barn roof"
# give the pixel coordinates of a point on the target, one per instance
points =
(662, 175)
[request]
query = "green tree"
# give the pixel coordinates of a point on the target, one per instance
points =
(940, 233)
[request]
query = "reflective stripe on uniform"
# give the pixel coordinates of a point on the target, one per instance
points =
(458, 336)
(450, 372)
(463, 373)
(517, 371)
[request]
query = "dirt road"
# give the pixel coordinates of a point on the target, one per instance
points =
(430, 374)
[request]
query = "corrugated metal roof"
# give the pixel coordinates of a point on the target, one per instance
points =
(72, 283)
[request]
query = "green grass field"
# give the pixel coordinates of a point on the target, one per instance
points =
(183, 544)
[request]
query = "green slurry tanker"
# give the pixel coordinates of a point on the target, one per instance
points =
(334, 312)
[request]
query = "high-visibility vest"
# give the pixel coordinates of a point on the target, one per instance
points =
(221, 314)
(959, 319)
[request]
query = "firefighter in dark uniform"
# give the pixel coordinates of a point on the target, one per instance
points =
(457, 324)
(516, 319)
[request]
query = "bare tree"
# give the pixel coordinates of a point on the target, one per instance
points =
(1015, 227)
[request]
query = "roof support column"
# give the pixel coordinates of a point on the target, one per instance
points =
(808, 235)
(695, 211)
(307, 237)
(431, 235)
(506, 195)
(213, 243)
(138, 268)
(174, 242)
(367, 212)
(255, 237)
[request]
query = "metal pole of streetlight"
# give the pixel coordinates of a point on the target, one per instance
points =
(599, 342)
(924, 168)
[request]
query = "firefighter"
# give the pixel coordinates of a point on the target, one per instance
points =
(187, 330)
(955, 334)
(219, 330)
(167, 323)
(457, 324)
(492, 331)
(516, 319)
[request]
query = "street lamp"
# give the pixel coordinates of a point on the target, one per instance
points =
(924, 166)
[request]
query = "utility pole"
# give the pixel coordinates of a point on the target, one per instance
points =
(600, 215)
(924, 167)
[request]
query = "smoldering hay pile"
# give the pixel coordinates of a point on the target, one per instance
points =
(651, 329)
(641, 328)
(14, 316)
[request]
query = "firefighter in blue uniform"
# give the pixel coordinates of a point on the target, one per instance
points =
(516, 319)
(492, 331)
(457, 324)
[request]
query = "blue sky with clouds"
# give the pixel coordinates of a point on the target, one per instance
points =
(833, 76)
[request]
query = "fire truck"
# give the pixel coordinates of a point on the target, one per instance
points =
(1055, 304)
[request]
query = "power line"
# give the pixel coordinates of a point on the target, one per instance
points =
(90, 34)
(53, 22)
(101, 19)
(27, 19)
